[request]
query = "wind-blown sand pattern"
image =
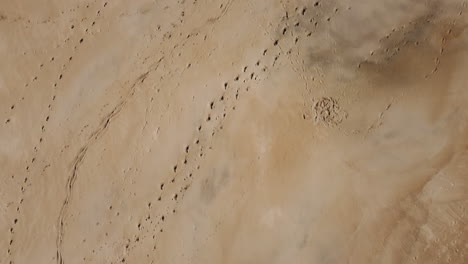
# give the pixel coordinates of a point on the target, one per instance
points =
(235, 131)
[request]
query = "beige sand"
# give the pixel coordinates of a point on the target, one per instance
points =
(236, 131)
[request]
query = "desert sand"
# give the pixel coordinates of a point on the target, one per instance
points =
(234, 131)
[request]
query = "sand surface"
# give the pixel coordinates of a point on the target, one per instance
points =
(233, 131)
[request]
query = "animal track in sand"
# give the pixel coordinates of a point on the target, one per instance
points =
(231, 93)
(218, 111)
